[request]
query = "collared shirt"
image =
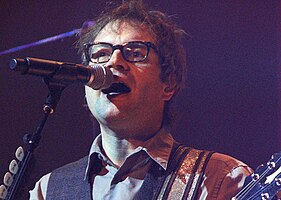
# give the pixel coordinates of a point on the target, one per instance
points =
(109, 181)
(223, 178)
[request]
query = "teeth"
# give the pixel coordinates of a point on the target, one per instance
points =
(114, 93)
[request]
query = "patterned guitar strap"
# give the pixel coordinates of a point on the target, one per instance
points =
(185, 174)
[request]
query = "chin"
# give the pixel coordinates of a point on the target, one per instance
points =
(108, 116)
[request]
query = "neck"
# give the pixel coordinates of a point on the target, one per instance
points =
(117, 146)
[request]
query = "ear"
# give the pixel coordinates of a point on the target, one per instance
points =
(169, 88)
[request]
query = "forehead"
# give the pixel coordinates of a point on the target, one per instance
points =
(119, 32)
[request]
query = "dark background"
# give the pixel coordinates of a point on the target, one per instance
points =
(230, 104)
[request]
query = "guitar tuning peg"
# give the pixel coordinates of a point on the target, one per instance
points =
(265, 196)
(271, 165)
(278, 182)
(260, 169)
(275, 155)
(260, 166)
(19, 153)
(255, 176)
(3, 192)
(8, 179)
(13, 167)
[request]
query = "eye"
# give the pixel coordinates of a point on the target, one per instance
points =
(99, 55)
(135, 53)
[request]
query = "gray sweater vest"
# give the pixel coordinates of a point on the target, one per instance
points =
(67, 183)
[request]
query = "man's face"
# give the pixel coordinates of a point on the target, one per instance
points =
(135, 104)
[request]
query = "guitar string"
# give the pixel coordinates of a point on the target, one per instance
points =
(246, 189)
(267, 187)
(250, 186)
(255, 195)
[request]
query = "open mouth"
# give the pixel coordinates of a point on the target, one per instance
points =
(117, 88)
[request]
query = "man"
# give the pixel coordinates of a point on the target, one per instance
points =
(135, 157)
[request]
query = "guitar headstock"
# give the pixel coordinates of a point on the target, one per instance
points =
(264, 183)
(10, 176)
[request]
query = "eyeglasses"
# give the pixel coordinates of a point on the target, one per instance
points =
(135, 51)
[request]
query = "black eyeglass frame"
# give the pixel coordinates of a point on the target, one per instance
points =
(120, 47)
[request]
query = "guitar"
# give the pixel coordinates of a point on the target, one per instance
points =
(11, 178)
(264, 183)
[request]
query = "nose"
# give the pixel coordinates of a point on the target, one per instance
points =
(117, 62)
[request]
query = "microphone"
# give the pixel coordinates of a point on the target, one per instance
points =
(94, 76)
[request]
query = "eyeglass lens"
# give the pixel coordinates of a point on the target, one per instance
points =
(132, 52)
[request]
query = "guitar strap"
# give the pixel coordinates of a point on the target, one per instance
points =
(185, 174)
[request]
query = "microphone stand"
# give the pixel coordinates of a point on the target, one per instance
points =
(32, 140)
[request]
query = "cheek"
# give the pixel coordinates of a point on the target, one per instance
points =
(90, 96)
(152, 92)
(149, 81)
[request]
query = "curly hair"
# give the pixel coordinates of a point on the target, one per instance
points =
(168, 40)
